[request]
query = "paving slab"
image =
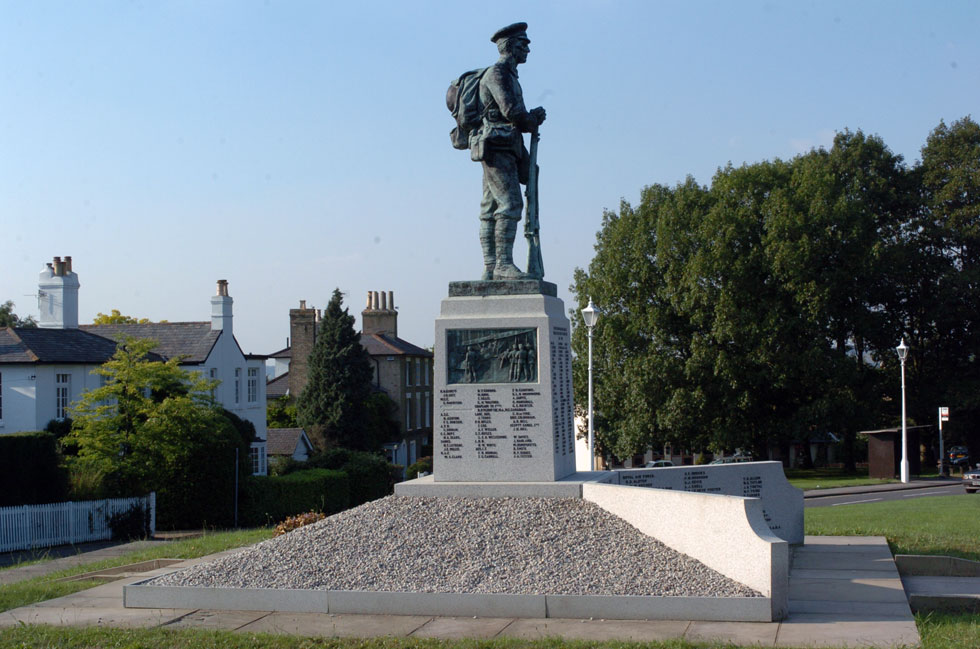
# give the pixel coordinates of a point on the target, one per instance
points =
(344, 626)
(742, 633)
(625, 630)
(90, 616)
(224, 620)
(454, 628)
(803, 560)
(864, 610)
(855, 590)
(830, 630)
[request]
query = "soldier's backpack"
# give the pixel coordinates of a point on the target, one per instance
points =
(463, 101)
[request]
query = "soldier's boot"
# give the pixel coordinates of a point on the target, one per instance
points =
(505, 232)
(489, 250)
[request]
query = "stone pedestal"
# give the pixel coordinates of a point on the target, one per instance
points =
(503, 386)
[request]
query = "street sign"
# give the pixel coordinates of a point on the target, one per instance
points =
(944, 413)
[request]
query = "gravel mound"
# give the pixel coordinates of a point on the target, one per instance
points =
(467, 545)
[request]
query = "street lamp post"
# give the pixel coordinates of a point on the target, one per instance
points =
(903, 351)
(591, 316)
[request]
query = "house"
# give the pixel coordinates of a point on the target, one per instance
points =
(289, 443)
(43, 370)
(402, 371)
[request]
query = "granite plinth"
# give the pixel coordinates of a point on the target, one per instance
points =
(499, 419)
(487, 288)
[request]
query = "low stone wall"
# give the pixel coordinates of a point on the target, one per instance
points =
(782, 503)
(726, 533)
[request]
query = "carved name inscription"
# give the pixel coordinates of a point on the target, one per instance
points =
(561, 392)
(488, 423)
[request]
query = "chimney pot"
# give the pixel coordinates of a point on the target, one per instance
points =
(68, 264)
(302, 304)
(384, 301)
(368, 305)
(222, 287)
(391, 300)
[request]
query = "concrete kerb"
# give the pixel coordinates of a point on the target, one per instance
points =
(726, 609)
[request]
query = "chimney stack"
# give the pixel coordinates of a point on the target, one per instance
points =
(302, 336)
(221, 308)
(380, 316)
(58, 295)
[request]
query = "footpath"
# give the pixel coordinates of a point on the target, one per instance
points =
(843, 591)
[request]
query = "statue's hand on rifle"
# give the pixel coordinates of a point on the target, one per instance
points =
(539, 114)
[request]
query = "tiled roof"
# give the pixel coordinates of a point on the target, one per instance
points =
(285, 352)
(192, 341)
(283, 441)
(277, 387)
(22, 345)
(385, 345)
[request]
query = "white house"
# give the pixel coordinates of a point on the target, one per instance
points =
(43, 370)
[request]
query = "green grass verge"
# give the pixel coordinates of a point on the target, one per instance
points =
(947, 525)
(826, 478)
(937, 631)
(39, 589)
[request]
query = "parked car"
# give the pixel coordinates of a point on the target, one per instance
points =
(656, 464)
(971, 480)
(732, 459)
(959, 456)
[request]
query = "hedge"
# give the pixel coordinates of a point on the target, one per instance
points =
(31, 472)
(270, 499)
(369, 473)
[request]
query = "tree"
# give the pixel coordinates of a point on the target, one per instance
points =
(281, 413)
(9, 319)
(118, 318)
(152, 426)
(332, 407)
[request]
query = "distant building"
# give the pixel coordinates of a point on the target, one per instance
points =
(44, 370)
(402, 371)
(289, 443)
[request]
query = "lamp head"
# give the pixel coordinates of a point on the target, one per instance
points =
(902, 350)
(590, 315)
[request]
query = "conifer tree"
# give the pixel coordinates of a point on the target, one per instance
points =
(332, 405)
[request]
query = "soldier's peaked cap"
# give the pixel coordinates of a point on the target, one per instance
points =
(517, 30)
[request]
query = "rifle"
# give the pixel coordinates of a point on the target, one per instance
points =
(532, 228)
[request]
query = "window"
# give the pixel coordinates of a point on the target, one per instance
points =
(418, 371)
(418, 411)
(213, 374)
(428, 409)
(426, 369)
(1, 396)
(258, 457)
(62, 395)
(408, 371)
(408, 412)
(253, 384)
(238, 385)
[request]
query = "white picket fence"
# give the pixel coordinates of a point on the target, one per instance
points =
(41, 526)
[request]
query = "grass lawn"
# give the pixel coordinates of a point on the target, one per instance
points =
(827, 478)
(39, 589)
(947, 525)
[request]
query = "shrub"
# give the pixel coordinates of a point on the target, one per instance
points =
(31, 470)
(423, 465)
(368, 473)
(273, 498)
(295, 522)
(133, 523)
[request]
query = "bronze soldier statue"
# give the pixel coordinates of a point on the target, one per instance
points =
(499, 146)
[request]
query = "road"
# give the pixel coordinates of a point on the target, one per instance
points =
(882, 496)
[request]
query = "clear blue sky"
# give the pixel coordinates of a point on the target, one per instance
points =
(292, 147)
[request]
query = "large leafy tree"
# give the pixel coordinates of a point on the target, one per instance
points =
(332, 407)
(767, 306)
(10, 319)
(152, 426)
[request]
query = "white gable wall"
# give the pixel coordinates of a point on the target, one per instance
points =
(30, 392)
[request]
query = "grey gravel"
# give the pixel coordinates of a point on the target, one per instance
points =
(475, 545)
